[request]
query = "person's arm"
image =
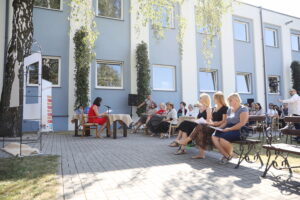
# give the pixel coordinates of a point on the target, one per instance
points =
(293, 99)
(95, 108)
(141, 104)
(209, 115)
(244, 116)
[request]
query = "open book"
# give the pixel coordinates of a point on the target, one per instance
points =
(217, 128)
(200, 121)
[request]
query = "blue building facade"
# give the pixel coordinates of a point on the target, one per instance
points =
(253, 67)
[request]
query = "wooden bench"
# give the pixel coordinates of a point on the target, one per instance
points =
(260, 124)
(282, 149)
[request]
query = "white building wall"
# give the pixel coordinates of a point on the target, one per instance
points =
(227, 54)
(189, 58)
(135, 39)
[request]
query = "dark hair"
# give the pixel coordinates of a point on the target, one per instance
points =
(259, 106)
(97, 101)
(183, 103)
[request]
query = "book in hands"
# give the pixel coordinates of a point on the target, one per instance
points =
(217, 128)
(201, 121)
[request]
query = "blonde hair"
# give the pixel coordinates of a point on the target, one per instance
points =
(163, 105)
(235, 96)
(219, 96)
(205, 100)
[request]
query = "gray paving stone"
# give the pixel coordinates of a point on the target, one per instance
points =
(142, 167)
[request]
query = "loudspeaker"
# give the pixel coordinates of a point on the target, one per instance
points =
(250, 101)
(132, 99)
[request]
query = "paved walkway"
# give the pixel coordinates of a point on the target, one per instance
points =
(141, 167)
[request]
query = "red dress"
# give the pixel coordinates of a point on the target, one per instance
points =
(93, 119)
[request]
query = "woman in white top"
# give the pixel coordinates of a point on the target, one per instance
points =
(191, 111)
(171, 118)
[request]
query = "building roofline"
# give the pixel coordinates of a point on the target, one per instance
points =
(269, 10)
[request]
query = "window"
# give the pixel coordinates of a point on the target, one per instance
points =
(163, 77)
(241, 31)
(51, 70)
(50, 4)
(208, 80)
(273, 84)
(243, 83)
(110, 8)
(33, 74)
(109, 75)
(295, 39)
(167, 19)
(271, 37)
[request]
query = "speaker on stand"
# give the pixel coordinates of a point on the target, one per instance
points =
(132, 101)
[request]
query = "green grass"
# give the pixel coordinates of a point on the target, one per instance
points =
(28, 178)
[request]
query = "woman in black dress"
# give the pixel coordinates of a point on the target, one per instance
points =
(186, 127)
(202, 132)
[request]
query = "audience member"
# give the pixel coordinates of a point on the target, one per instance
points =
(202, 133)
(191, 111)
(182, 110)
(171, 118)
(144, 117)
(237, 117)
(186, 127)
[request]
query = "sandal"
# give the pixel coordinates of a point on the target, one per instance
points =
(174, 144)
(180, 151)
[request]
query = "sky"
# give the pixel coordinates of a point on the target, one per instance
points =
(290, 7)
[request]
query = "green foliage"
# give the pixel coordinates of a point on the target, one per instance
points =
(110, 8)
(53, 4)
(82, 58)
(82, 16)
(50, 70)
(143, 75)
(295, 67)
(108, 76)
(208, 15)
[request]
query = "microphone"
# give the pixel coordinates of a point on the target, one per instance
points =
(107, 106)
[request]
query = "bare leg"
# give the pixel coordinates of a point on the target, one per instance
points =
(201, 154)
(227, 146)
(183, 137)
(217, 143)
(184, 141)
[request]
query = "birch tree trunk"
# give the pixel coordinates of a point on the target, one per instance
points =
(11, 114)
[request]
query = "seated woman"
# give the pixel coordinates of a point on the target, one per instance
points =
(191, 111)
(237, 117)
(171, 118)
(162, 109)
(186, 127)
(202, 133)
(95, 117)
(258, 110)
(144, 118)
(182, 110)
